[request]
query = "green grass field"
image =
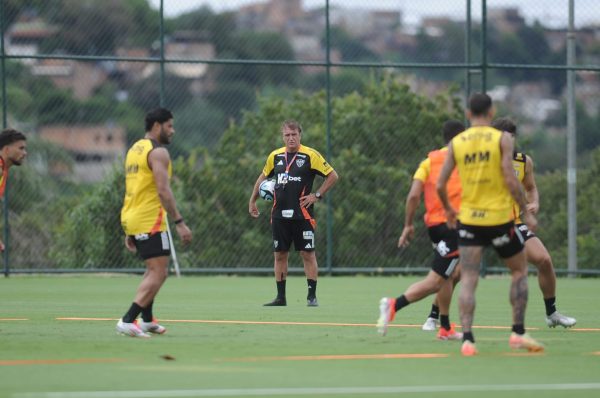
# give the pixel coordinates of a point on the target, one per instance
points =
(250, 350)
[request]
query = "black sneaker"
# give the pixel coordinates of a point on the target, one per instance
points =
(278, 302)
(312, 302)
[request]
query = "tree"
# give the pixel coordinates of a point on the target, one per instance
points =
(97, 27)
(145, 94)
(378, 139)
(200, 124)
(218, 27)
(258, 46)
(343, 82)
(91, 235)
(528, 45)
(37, 201)
(232, 98)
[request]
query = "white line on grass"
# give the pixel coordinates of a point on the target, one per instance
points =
(251, 392)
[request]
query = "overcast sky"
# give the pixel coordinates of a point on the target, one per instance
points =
(552, 12)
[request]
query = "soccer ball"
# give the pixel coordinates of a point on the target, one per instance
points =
(266, 190)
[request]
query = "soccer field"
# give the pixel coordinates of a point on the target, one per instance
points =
(58, 340)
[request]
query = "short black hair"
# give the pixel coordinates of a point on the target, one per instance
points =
(451, 129)
(160, 115)
(505, 124)
(8, 136)
(480, 104)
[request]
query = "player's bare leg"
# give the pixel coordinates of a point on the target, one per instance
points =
(470, 258)
(518, 299)
(444, 298)
(432, 283)
(518, 288)
(538, 255)
(154, 277)
(423, 288)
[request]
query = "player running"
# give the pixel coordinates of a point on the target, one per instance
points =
(535, 251)
(444, 267)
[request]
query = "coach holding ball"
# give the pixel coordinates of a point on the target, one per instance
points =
(294, 168)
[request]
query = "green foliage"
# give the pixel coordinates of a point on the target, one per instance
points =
(352, 50)
(145, 94)
(37, 202)
(91, 234)
(343, 82)
(375, 164)
(554, 216)
(198, 124)
(528, 45)
(218, 27)
(115, 23)
(586, 124)
(232, 98)
(258, 46)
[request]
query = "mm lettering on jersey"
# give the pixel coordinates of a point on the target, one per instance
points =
(132, 169)
(477, 157)
(478, 213)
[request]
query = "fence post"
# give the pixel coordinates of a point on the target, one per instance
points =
(4, 124)
(468, 53)
(571, 148)
(484, 63)
(162, 53)
(329, 257)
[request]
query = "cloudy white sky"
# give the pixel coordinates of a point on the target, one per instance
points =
(551, 12)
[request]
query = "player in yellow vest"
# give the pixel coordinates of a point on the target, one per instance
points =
(483, 157)
(535, 251)
(148, 200)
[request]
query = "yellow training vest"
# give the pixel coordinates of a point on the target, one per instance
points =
(519, 162)
(485, 199)
(142, 211)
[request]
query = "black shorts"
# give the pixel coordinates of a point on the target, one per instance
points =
(150, 246)
(301, 232)
(506, 239)
(445, 246)
(527, 234)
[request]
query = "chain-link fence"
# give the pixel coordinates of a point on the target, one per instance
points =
(371, 84)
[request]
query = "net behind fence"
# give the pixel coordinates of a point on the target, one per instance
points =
(371, 85)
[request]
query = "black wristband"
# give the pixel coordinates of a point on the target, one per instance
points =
(179, 221)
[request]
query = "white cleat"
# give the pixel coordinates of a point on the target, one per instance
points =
(130, 329)
(386, 314)
(556, 319)
(152, 327)
(430, 325)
